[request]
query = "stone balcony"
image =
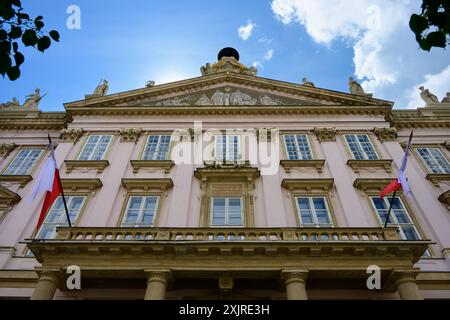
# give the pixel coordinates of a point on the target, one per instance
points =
(170, 256)
(314, 242)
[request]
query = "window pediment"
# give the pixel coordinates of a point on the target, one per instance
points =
(147, 184)
(307, 184)
(7, 197)
(82, 184)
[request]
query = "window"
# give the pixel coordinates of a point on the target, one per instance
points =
(434, 160)
(313, 212)
(226, 211)
(361, 147)
(297, 147)
(141, 211)
(157, 148)
(57, 216)
(399, 217)
(23, 162)
(95, 147)
(227, 148)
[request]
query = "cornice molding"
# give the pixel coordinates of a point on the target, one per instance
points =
(189, 85)
(375, 184)
(7, 197)
(225, 172)
(22, 180)
(385, 164)
(292, 164)
(167, 165)
(100, 165)
(33, 120)
(147, 184)
(82, 184)
(307, 184)
(437, 178)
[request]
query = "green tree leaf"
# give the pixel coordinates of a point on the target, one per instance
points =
(55, 35)
(44, 43)
(13, 73)
(19, 58)
(39, 24)
(16, 32)
(437, 39)
(29, 38)
(5, 63)
(418, 23)
(3, 35)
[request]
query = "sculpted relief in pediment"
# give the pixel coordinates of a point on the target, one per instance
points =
(226, 97)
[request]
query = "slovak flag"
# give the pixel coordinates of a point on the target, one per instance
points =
(401, 181)
(48, 181)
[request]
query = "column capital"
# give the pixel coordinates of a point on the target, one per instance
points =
(56, 273)
(155, 274)
(405, 275)
(130, 135)
(294, 275)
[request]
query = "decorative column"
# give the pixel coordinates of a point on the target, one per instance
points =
(156, 284)
(295, 284)
(49, 280)
(405, 282)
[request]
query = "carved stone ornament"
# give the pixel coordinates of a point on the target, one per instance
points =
(386, 134)
(227, 65)
(71, 135)
(326, 134)
(6, 148)
(130, 135)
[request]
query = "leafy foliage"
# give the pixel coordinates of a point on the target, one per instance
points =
(15, 27)
(432, 26)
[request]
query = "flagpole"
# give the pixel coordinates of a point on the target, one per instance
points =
(390, 208)
(61, 187)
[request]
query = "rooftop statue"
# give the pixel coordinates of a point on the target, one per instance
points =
(307, 83)
(150, 84)
(33, 99)
(446, 99)
(355, 87)
(427, 96)
(10, 104)
(99, 91)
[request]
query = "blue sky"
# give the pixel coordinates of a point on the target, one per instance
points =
(132, 42)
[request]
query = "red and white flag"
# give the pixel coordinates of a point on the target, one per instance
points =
(401, 181)
(48, 181)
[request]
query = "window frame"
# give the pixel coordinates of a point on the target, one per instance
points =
(350, 152)
(107, 150)
(227, 200)
(128, 195)
(328, 206)
(308, 140)
(240, 156)
(422, 162)
(86, 198)
(141, 211)
(159, 134)
(33, 167)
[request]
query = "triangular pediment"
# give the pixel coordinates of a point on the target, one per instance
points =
(230, 90)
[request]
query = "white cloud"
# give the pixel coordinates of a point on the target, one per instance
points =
(385, 53)
(245, 32)
(257, 64)
(265, 40)
(440, 82)
(269, 55)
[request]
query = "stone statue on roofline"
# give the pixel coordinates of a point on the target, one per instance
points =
(33, 99)
(428, 97)
(446, 99)
(355, 87)
(307, 83)
(10, 104)
(100, 91)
